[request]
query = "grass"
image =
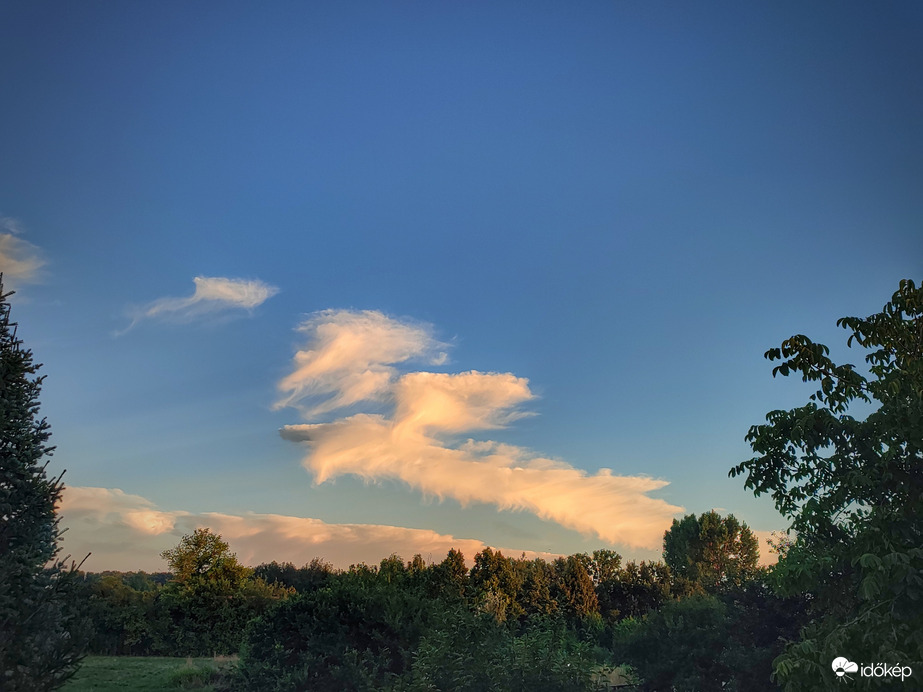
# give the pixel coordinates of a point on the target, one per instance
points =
(146, 674)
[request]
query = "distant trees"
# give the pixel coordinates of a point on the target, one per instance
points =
(711, 551)
(41, 640)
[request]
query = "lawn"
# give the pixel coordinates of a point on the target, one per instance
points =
(145, 674)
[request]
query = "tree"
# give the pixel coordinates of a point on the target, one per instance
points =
(40, 646)
(853, 490)
(496, 584)
(212, 596)
(711, 551)
(204, 556)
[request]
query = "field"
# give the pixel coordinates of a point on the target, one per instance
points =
(145, 674)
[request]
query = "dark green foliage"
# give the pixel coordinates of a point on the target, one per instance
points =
(470, 651)
(495, 583)
(576, 593)
(635, 589)
(122, 612)
(704, 642)
(312, 576)
(211, 598)
(711, 551)
(41, 637)
(853, 490)
(356, 633)
(449, 578)
(679, 646)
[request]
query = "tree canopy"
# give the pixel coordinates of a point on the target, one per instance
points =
(711, 551)
(853, 490)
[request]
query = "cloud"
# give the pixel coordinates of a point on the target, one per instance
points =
(20, 261)
(767, 557)
(128, 532)
(351, 358)
(418, 442)
(212, 295)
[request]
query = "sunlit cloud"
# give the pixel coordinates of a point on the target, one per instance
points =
(212, 295)
(20, 260)
(417, 442)
(351, 358)
(128, 532)
(767, 557)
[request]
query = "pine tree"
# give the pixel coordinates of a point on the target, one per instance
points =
(39, 614)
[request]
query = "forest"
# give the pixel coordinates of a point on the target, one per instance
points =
(848, 584)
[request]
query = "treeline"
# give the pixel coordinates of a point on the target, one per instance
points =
(689, 619)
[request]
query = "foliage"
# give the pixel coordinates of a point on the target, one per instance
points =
(680, 646)
(212, 596)
(41, 639)
(123, 616)
(635, 589)
(356, 633)
(312, 576)
(853, 490)
(711, 551)
(470, 651)
(496, 582)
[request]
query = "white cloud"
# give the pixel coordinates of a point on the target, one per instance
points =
(128, 532)
(20, 261)
(212, 295)
(415, 442)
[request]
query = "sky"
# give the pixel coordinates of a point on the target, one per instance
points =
(349, 279)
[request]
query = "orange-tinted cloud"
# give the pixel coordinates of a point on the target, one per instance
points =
(20, 261)
(128, 532)
(417, 444)
(351, 357)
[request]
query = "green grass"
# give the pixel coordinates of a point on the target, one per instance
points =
(144, 674)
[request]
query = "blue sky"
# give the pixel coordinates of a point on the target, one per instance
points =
(568, 230)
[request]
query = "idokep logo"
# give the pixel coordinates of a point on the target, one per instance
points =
(843, 666)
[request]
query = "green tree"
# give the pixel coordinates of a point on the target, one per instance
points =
(635, 589)
(204, 556)
(449, 578)
(496, 584)
(574, 587)
(212, 596)
(40, 645)
(853, 490)
(711, 551)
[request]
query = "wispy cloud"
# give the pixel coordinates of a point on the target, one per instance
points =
(20, 260)
(418, 442)
(351, 358)
(212, 295)
(128, 532)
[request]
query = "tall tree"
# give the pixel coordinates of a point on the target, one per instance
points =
(711, 551)
(39, 646)
(853, 490)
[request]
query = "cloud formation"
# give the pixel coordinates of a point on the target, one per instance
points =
(212, 295)
(20, 261)
(351, 358)
(418, 443)
(128, 532)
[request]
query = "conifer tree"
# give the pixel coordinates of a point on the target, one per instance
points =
(39, 615)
